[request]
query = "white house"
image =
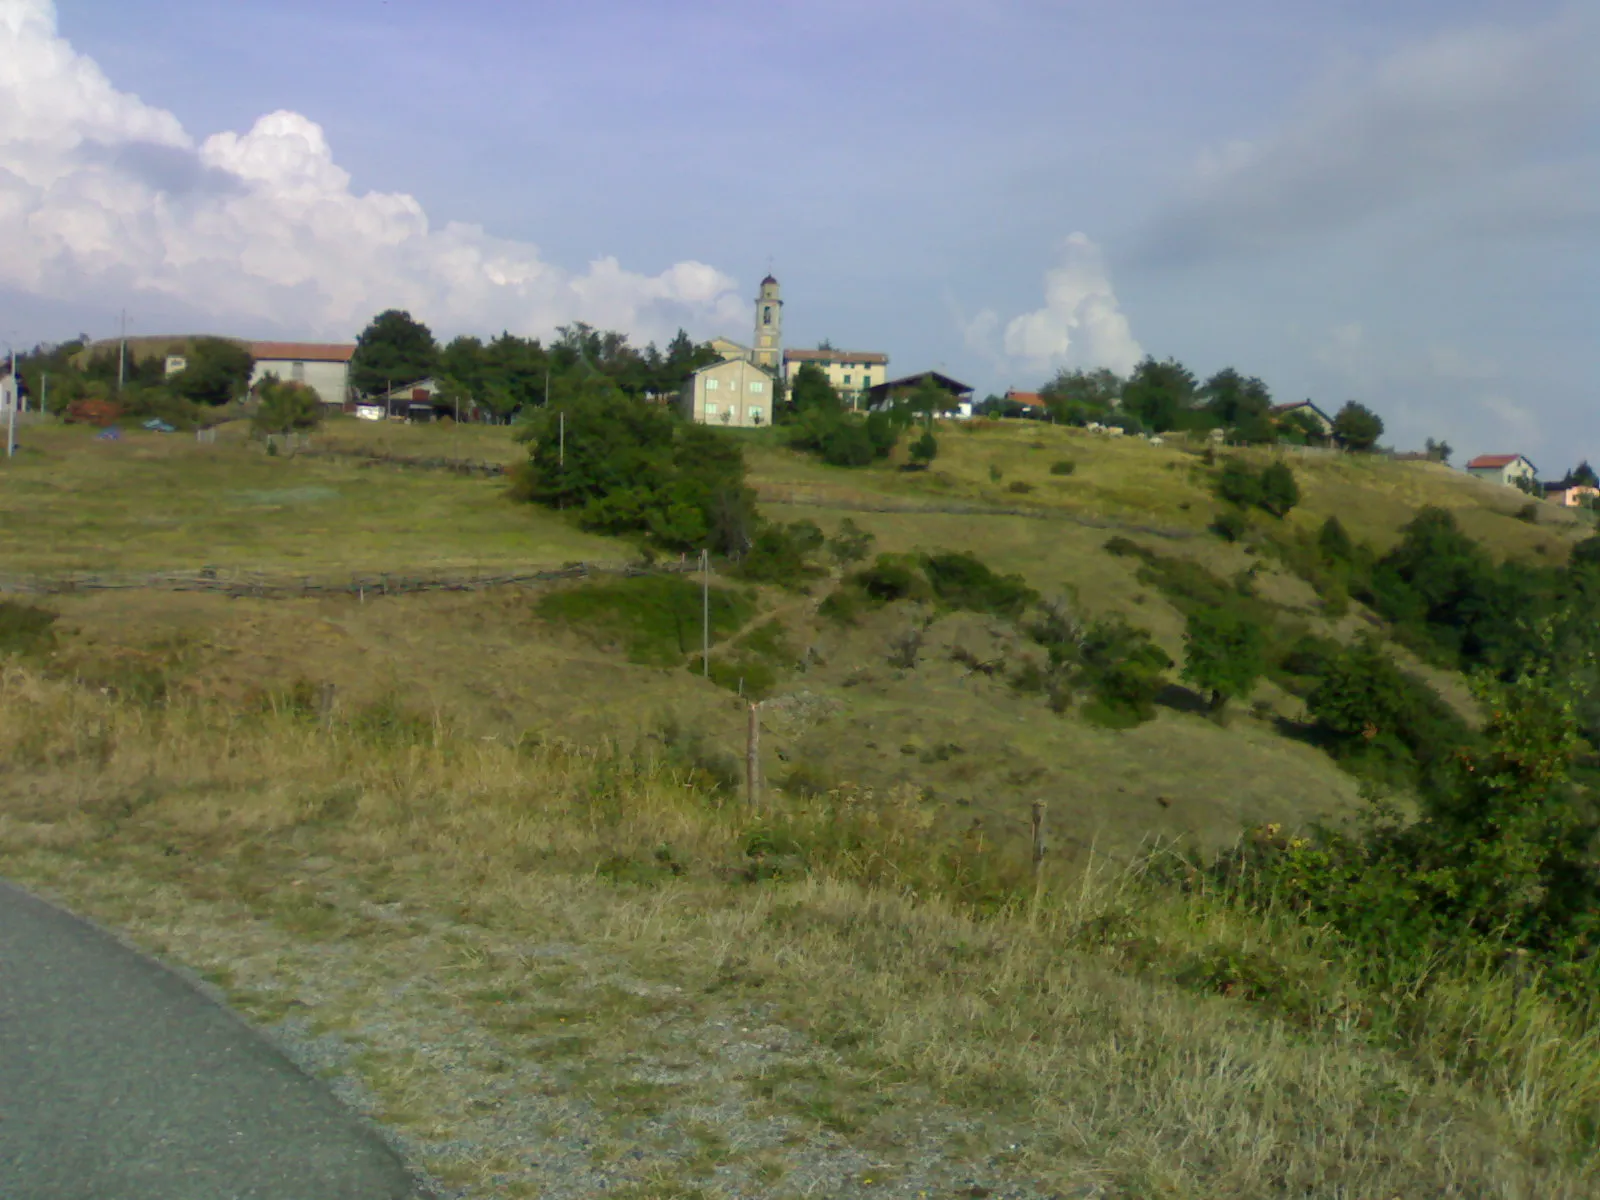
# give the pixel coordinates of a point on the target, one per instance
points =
(322, 367)
(1502, 468)
(8, 392)
(735, 393)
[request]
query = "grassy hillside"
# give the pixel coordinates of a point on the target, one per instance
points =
(527, 801)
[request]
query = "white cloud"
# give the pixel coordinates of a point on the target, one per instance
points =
(1080, 325)
(102, 192)
(1470, 113)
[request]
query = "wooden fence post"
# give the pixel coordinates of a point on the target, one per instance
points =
(325, 704)
(1038, 837)
(752, 758)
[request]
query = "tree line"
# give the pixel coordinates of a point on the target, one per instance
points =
(1161, 396)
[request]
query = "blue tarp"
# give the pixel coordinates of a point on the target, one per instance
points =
(111, 434)
(159, 426)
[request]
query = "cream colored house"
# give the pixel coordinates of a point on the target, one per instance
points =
(1503, 468)
(324, 368)
(733, 393)
(851, 372)
(730, 349)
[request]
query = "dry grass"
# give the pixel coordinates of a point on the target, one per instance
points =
(543, 967)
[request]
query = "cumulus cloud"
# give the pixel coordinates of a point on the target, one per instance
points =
(100, 191)
(1468, 113)
(1080, 325)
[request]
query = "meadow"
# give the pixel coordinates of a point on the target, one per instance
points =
(506, 889)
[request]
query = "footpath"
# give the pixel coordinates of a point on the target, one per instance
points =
(120, 1079)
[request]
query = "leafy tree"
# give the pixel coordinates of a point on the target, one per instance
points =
(1159, 393)
(924, 450)
(1224, 653)
(217, 373)
(1583, 475)
(850, 544)
(285, 407)
(1124, 670)
(1357, 426)
(1334, 543)
(1234, 399)
(1439, 451)
(628, 467)
(1076, 397)
(1279, 491)
(811, 391)
(1586, 553)
(1238, 484)
(846, 443)
(393, 350)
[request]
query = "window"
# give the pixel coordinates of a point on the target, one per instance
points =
(766, 315)
(757, 386)
(847, 381)
(711, 385)
(297, 372)
(755, 416)
(711, 409)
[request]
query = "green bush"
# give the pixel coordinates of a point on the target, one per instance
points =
(1279, 491)
(25, 629)
(1224, 653)
(1021, 487)
(779, 554)
(924, 450)
(962, 581)
(1230, 525)
(892, 577)
(1238, 485)
(655, 618)
(1065, 466)
(1124, 671)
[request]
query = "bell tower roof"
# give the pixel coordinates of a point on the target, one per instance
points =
(767, 280)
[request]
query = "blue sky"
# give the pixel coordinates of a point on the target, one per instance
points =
(1394, 203)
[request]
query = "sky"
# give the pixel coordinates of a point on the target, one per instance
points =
(1397, 203)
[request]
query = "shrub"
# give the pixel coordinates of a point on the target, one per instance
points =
(1237, 484)
(1279, 491)
(1334, 543)
(1529, 512)
(1224, 653)
(1230, 525)
(924, 450)
(1124, 670)
(850, 543)
(780, 554)
(892, 577)
(1065, 466)
(92, 410)
(25, 629)
(962, 581)
(1020, 487)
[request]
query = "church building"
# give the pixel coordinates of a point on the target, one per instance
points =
(738, 391)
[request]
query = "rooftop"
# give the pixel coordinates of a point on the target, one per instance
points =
(844, 356)
(1493, 461)
(301, 351)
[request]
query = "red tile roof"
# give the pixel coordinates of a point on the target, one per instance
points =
(1493, 460)
(843, 356)
(301, 352)
(1032, 399)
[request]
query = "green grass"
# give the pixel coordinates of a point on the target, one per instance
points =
(152, 502)
(657, 620)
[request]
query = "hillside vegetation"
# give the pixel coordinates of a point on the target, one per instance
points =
(531, 800)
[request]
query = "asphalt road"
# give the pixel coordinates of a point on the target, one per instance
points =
(120, 1081)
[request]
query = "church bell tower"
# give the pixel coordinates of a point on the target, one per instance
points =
(769, 327)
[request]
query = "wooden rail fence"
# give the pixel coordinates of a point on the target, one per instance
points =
(241, 584)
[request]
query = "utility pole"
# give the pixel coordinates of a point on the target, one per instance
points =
(122, 352)
(11, 409)
(705, 610)
(562, 418)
